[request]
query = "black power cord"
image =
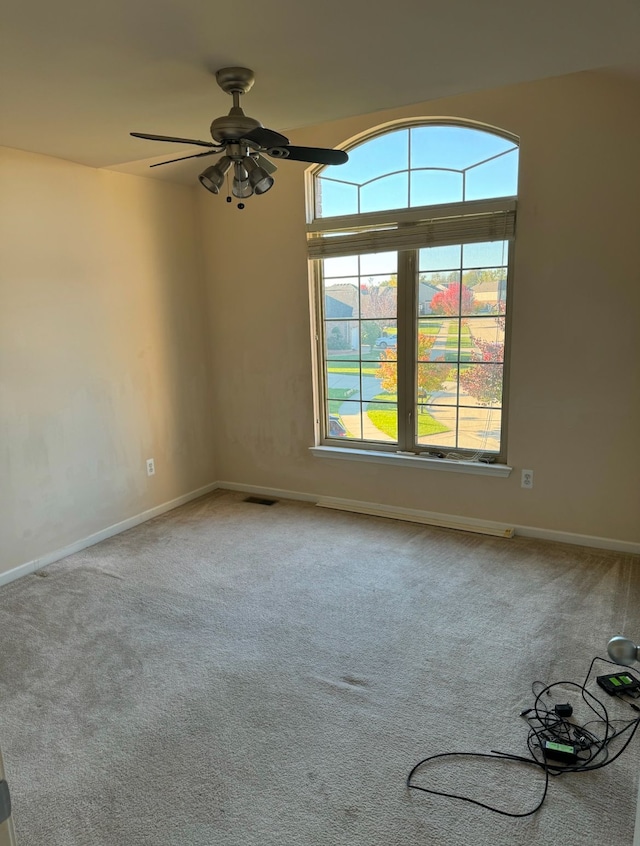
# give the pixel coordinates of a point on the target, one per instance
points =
(493, 754)
(551, 732)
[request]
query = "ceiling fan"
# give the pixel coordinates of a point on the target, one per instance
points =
(245, 143)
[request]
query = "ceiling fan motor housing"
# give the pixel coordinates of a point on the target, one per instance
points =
(233, 126)
(236, 124)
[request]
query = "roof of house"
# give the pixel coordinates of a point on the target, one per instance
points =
(346, 293)
(334, 308)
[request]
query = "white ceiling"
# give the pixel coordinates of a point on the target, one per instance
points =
(78, 75)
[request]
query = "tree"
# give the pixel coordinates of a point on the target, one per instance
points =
(429, 377)
(437, 279)
(447, 302)
(370, 332)
(378, 301)
(484, 381)
(470, 278)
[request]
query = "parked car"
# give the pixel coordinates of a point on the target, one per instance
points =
(337, 429)
(384, 341)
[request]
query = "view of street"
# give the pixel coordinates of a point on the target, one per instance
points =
(358, 384)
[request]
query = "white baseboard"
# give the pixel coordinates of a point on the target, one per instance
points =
(444, 520)
(103, 534)
(579, 540)
(431, 518)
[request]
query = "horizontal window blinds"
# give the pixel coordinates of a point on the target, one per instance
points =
(460, 229)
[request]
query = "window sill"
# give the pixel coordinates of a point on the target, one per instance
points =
(402, 460)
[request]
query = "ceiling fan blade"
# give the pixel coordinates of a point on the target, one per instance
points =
(266, 137)
(182, 158)
(171, 138)
(319, 155)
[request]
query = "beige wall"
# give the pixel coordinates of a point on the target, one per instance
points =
(116, 344)
(574, 414)
(104, 358)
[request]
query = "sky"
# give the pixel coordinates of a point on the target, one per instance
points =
(418, 166)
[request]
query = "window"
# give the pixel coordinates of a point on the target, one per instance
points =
(411, 243)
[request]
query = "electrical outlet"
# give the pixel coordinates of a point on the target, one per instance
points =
(527, 479)
(151, 467)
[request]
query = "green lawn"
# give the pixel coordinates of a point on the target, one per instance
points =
(385, 418)
(370, 356)
(430, 328)
(451, 352)
(354, 371)
(350, 364)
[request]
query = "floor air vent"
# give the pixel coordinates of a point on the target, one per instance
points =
(259, 500)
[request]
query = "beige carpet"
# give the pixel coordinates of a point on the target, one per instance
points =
(233, 673)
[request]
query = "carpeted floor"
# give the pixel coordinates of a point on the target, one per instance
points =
(232, 673)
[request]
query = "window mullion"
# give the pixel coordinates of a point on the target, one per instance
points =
(407, 263)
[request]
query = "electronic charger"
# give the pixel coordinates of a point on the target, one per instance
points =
(563, 711)
(564, 752)
(616, 683)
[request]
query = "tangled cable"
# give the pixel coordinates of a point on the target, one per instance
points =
(590, 741)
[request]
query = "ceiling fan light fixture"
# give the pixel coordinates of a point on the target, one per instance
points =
(241, 188)
(208, 179)
(259, 179)
(213, 177)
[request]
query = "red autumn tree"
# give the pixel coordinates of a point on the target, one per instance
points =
(448, 302)
(484, 380)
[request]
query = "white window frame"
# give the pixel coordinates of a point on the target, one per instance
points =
(406, 231)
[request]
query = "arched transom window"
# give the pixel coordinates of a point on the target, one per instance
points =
(419, 166)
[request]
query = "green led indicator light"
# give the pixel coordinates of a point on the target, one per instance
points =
(625, 679)
(559, 747)
(615, 681)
